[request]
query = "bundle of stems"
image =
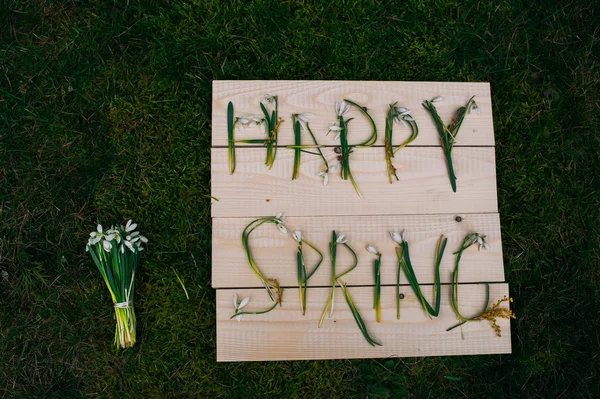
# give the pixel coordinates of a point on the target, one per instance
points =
(335, 279)
(405, 264)
(300, 122)
(271, 285)
(346, 148)
(303, 275)
(116, 255)
(402, 115)
(448, 133)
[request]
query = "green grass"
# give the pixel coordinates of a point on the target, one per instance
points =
(105, 115)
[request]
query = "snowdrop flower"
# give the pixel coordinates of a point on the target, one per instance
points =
(303, 119)
(398, 237)
(341, 238)
(325, 177)
(107, 245)
(475, 107)
(342, 108)
(130, 226)
(279, 223)
(335, 128)
(269, 98)
(239, 305)
(372, 249)
(437, 99)
(481, 241)
(297, 235)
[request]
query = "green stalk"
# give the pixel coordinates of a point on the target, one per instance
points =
(303, 276)
(269, 284)
(377, 299)
(467, 242)
(230, 138)
(406, 264)
(359, 321)
(297, 151)
(399, 255)
(448, 133)
(261, 311)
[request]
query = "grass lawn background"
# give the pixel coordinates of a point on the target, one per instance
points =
(105, 116)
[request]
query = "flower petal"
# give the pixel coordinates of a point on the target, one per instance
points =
(107, 245)
(235, 302)
(239, 317)
(372, 249)
(436, 99)
(100, 228)
(282, 228)
(326, 179)
(244, 302)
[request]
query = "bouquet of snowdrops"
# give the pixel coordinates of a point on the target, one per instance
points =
(116, 254)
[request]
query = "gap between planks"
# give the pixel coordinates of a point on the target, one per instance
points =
(275, 253)
(319, 97)
(284, 334)
(424, 186)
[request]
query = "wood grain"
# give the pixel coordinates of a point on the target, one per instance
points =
(275, 253)
(284, 334)
(319, 97)
(423, 187)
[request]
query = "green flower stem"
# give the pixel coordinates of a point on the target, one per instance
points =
(347, 149)
(303, 276)
(269, 284)
(230, 137)
(399, 255)
(299, 148)
(448, 133)
(405, 263)
(467, 242)
(335, 279)
(261, 311)
(359, 321)
(377, 299)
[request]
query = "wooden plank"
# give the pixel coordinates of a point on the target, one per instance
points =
(275, 253)
(423, 187)
(284, 334)
(319, 97)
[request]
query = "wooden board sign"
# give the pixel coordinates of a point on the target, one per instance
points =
(420, 202)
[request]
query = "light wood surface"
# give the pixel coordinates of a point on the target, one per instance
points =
(275, 253)
(284, 334)
(319, 97)
(423, 187)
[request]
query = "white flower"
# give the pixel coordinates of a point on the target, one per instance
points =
(436, 99)
(341, 238)
(109, 237)
(341, 107)
(281, 228)
(303, 119)
(404, 113)
(107, 245)
(333, 168)
(246, 120)
(144, 239)
(475, 107)
(372, 249)
(239, 305)
(325, 177)
(398, 237)
(130, 226)
(279, 218)
(402, 109)
(481, 241)
(297, 235)
(269, 98)
(129, 245)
